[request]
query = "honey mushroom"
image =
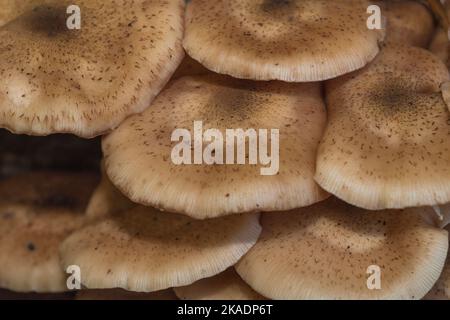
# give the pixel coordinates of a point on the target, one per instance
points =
(387, 142)
(326, 250)
(259, 40)
(145, 250)
(139, 155)
(85, 81)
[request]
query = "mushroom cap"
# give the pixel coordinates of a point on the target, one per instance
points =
(145, 250)
(106, 199)
(227, 285)
(387, 142)
(86, 81)
(408, 22)
(325, 251)
(37, 211)
(441, 290)
(138, 154)
(289, 40)
(120, 294)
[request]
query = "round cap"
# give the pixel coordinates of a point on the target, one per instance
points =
(145, 250)
(387, 140)
(165, 157)
(58, 76)
(299, 41)
(335, 251)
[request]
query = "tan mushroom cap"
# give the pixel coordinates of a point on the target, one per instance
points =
(138, 154)
(324, 252)
(86, 81)
(289, 40)
(387, 143)
(145, 250)
(37, 211)
(120, 294)
(225, 286)
(106, 200)
(407, 22)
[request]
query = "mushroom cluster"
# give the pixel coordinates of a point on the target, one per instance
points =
(226, 149)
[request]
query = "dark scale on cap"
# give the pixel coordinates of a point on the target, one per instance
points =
(31, 246)
(271, 5)
(7, 215)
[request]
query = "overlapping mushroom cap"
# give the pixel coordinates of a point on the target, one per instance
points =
(289, 40)
(145, 250)
(139, 154)
(387, 143)
(330, 250)
(37, 211)
(225, 286)
(85, 81)
(407, 22)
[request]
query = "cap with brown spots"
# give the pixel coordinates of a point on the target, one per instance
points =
(85, 81)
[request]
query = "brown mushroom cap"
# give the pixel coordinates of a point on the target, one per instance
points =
(145, 250)
(37, 211)
(324, 251)
(387, 143)
(138, 154)
(289, 40)
(86, 81)
(408, 22)
(120, 294)
(227, 285)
